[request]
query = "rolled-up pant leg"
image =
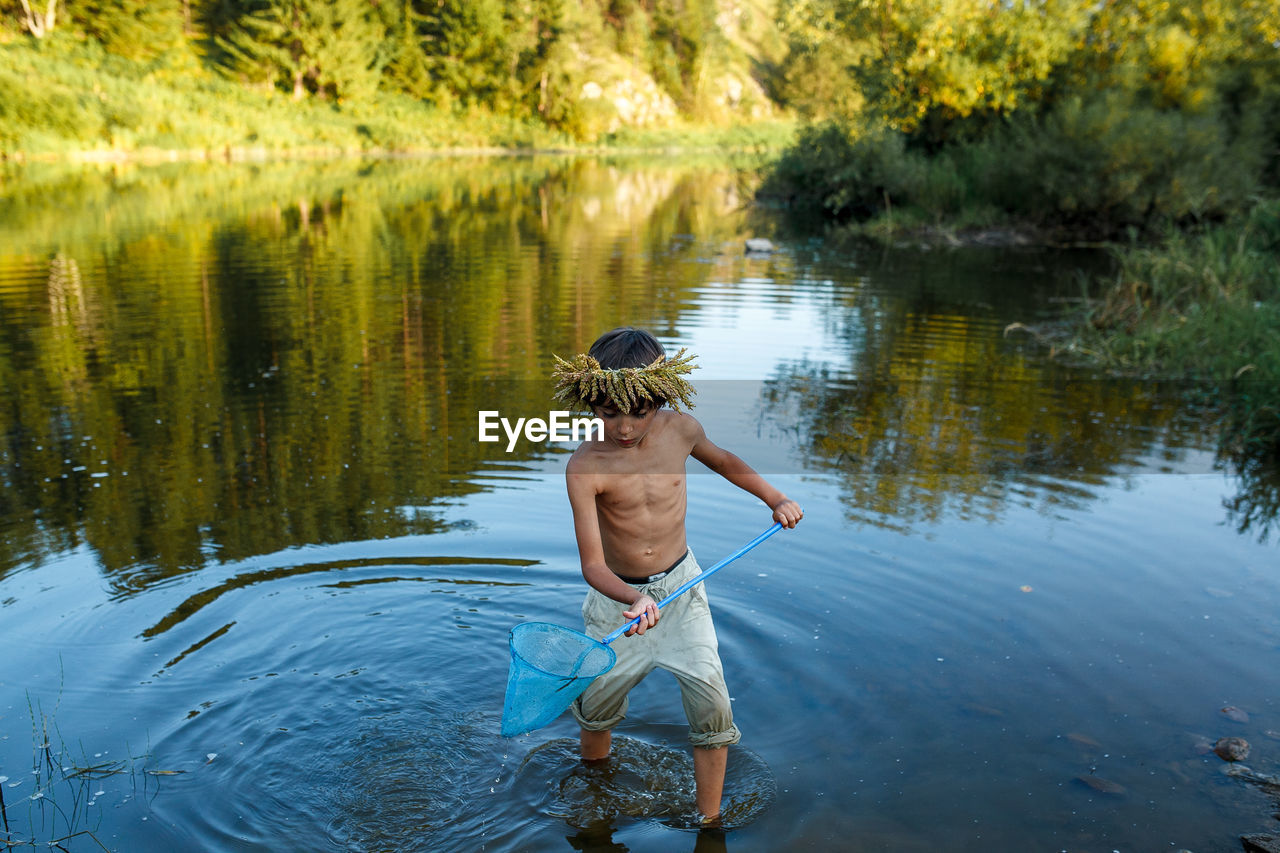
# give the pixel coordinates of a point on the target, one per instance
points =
(604, 703)
(693, 657)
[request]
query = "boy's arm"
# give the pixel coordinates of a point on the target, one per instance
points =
(730, 466)
(596, 572)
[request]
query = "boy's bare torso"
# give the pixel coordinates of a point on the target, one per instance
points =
(641, 495)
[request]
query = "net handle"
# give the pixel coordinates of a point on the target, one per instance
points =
(694, 581)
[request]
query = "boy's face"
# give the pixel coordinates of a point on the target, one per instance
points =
(625, 430)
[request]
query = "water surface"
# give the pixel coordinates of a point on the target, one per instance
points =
(257, 572)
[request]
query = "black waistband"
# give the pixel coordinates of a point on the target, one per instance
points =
(643, 579)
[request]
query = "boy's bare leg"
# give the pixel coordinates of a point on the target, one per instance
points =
(595, 745)
(708, 779)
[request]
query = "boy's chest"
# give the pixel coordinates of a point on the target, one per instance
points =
(634, 491)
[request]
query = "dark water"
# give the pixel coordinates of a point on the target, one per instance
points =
(257, 572)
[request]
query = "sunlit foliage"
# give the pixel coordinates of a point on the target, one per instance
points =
(1098, 117)
(549, 61)
(923, 66)
(332, 48)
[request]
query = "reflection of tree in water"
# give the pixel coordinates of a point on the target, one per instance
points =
(936, 413)
(1255, 508)
(228, 362)
(1249, 453)
(915, 433)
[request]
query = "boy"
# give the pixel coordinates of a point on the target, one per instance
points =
(628, 497)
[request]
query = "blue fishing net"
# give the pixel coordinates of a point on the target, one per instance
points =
(550, 667)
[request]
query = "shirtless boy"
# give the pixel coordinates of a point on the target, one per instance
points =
(628, 497)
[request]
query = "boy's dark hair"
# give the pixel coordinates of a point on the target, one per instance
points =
(626, 346)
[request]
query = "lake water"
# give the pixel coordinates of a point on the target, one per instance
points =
(257, 572)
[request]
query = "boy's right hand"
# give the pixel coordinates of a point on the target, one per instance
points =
(647, 609)
(787, 513)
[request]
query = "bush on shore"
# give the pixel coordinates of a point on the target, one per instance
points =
(1091, 169)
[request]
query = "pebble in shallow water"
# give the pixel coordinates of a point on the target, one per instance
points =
(1231, 748)
(1102, 786)
(1231, 712)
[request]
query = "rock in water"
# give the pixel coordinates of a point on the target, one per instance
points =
(759, 246)
(1231, 748)
(1260, 843)
(1248, 774)
(1083, 740)
(1102, 786)
(1231, 712)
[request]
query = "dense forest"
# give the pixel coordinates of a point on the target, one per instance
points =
(1126, 110)
(575, 69)
(1095, 117)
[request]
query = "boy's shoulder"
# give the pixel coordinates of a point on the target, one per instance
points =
(580, 459)
(675, 428)
(682, 423)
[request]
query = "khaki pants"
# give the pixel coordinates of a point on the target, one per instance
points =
(683, 643)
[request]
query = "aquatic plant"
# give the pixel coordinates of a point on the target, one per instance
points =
(1205, 306)
(63, 782)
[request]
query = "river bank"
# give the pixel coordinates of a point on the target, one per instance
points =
(78, 103)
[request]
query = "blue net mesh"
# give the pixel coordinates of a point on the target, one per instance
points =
(550, 667)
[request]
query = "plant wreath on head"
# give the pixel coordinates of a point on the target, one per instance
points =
(581, 381)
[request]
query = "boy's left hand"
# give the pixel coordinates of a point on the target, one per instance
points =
(787, 512)
(647, 609)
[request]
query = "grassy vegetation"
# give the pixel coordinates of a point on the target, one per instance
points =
(1204, 305)
(760, 136)
(83, 100)
(67, 98)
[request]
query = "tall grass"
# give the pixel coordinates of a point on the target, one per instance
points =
(71, 98)
(1204, 305)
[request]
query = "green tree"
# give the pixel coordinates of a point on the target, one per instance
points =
(38, 18)
(137, 29)
(930, 68)
(331, 48)
(473, 51)
(407, 66)
(684, 32)
(1176, 53)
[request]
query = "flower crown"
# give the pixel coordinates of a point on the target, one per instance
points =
(582, 381)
